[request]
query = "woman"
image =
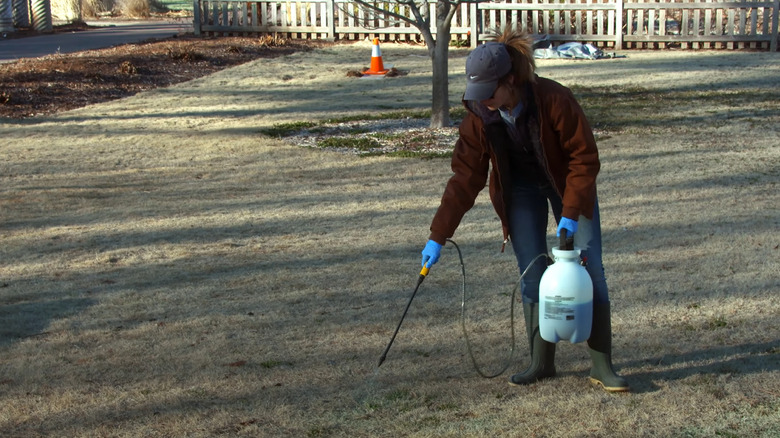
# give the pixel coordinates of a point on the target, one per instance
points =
(531, 136)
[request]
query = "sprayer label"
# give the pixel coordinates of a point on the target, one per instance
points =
(557, 308)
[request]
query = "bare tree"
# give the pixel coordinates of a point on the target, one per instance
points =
(438, 47)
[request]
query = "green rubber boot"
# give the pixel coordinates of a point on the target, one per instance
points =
(542, 352)
(600, 349)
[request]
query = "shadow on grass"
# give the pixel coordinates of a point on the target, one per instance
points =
(737, 359)
(23, 320)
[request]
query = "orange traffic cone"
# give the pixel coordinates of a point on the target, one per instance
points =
(377, 67)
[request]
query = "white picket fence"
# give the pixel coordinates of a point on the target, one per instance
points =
(709, 24)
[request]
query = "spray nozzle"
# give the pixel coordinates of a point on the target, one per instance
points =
(423, 272)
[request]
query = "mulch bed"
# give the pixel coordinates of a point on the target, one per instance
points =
(54, 83)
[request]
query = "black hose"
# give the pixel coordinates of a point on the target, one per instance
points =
(511, 315)
(423, 274)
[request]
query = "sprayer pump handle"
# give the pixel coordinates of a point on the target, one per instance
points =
(567, 244)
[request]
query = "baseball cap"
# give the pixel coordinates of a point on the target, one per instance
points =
(484, 67)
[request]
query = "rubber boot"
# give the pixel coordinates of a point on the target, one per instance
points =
(600, 349)
(542, 352)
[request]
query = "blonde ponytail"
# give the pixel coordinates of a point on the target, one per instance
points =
(520, 47)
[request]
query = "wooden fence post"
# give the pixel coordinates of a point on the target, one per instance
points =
(331, 17)
(6, 16)
(196, 17)
(775, 20)
(619, 24)
(474, 25)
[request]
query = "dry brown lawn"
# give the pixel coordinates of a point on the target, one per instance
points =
(166, 270)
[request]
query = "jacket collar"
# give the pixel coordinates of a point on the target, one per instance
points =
(488, 117)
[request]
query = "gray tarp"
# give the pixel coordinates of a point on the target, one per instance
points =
(572, 51)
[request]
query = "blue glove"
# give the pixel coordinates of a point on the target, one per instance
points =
(570, 226)
(431, 253)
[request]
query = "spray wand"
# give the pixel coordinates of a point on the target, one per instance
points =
(423, 273)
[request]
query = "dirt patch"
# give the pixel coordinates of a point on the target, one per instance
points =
(402, 136)
(47, 85)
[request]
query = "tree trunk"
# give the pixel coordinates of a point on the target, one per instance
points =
(440, 110)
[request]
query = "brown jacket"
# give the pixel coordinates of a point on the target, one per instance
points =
(561, 138)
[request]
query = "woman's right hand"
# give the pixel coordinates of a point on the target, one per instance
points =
(431, 253)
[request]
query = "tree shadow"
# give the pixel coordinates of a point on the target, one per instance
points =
(751, 357)
(23, 320)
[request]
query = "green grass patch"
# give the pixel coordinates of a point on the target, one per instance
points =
(356, 130)
(717, 323)
(361, 144)
(380, 116)
(286, 129)
(456, 113)
(384, 136)
(419, 154)
(398, 395)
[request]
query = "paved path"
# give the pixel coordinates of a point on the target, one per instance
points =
(112, 34)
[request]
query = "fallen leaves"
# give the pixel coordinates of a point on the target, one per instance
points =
(47, 85)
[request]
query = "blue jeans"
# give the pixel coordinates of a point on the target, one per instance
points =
(527, 214)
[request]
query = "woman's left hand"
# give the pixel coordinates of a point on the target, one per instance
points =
(569, 224)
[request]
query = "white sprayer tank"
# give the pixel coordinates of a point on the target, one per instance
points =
(565, 299)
